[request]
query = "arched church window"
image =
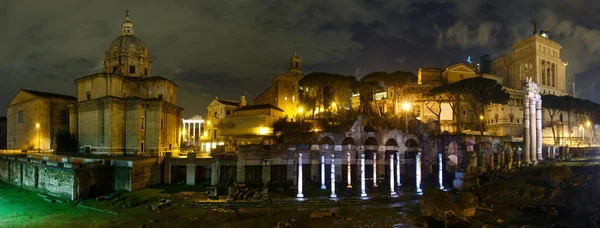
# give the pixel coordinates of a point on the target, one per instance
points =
(132, 69)
(296, 65)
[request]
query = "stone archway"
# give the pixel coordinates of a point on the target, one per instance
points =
(371, 150)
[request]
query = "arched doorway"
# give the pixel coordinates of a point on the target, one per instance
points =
(371, 160)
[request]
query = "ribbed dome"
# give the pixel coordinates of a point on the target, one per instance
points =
(125, 42)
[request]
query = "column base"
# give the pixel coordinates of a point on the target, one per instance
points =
(375, 186)
(300, 195)
(393, 193)
(323, 187)
(349, 186)
(333, 196)
(363, 195)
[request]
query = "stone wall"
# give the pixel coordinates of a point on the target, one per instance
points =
(138, 174)
(4, 167)
(55, 181)
(145, 173)
(83, 179)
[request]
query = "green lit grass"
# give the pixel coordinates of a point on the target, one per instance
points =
(22, 208)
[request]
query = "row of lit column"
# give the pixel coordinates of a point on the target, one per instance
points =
(189, 130)
(395, 173)
(533, 128)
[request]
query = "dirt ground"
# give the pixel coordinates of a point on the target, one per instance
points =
(22, 208)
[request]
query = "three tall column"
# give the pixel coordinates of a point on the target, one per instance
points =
(533, 128)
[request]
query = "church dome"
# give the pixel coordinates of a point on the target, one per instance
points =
(126, 42)
(127, 54)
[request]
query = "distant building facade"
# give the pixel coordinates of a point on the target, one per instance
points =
(34, 118)
(124, 109)
(283, 92)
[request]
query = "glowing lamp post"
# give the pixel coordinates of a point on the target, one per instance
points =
(300, 111)
(588, 124)
(37, 127)
(406, 108)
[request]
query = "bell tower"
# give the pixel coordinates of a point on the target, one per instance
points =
(295, 64)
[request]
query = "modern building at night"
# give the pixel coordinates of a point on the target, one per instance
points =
(34, 118)
(124, 109)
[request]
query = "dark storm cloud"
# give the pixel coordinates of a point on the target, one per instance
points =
(210, 48)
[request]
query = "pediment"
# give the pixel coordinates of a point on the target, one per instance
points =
(461, 67)
(21, 96)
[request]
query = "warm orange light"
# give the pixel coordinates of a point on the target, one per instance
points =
(588, 124)
(406, 106)
(481, 117)
(300, 110)
(37, 125)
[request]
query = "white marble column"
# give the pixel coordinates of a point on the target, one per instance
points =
(333, 195)
(418, 172)
(392, 176)
(398, 176)
(349, 175)
(533, 129)
(300, 180)
(375, 169)
(440, 171)
(323, 171)
(363, 190)
(526, 138)
(538, 117)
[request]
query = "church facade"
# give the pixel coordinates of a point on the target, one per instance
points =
(283, 93)
(124, 109)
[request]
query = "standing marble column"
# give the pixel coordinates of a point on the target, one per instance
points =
(194, 134)
(418, 172)
(398, 176)
(526, 139)
(349, 175)
(363, 186)
(323, 171)
(538, 117)
(375, 169)
(333, 195)
(300, 179)
(533, 129)
(392, 176)
(510, 157)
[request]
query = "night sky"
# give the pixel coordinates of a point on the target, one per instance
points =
(210, 48)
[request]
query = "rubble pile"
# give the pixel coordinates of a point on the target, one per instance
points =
(441, 205)
(287, 223)
(246, 194)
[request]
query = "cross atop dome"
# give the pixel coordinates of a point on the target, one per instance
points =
(127, 25)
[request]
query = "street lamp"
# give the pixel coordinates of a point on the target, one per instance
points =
(406, 107)
(588, 124)
(300, 111)
(37, 127)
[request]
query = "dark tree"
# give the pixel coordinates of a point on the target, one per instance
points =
(477, 92)
(66, 143)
